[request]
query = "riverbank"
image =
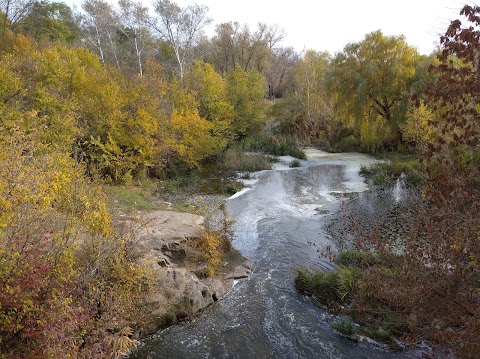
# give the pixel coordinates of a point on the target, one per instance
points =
(168, 233)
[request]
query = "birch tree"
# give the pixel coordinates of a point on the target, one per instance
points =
(102, 22)
(133, 16)
(180, 27)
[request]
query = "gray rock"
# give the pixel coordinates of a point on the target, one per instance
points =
(199, 296)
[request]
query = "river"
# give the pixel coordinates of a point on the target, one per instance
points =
(279, 226)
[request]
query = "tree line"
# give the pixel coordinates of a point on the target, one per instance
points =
(359, 98)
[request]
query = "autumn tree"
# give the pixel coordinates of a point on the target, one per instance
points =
(280, 69)
(246, 92)
(309, 112)
(101, 22)
(180, 27)
(65, 275)
(210, 90)
(372, 80)
(429, 277)
(14, 12)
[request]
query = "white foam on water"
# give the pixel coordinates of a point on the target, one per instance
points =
(352, 163)
(241, 192)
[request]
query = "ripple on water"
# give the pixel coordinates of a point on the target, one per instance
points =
(279, 225)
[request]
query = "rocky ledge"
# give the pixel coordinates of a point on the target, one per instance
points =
(164, 238)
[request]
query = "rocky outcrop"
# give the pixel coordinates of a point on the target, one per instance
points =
(164, 239)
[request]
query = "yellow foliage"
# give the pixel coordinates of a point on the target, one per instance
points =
(120, 343)
(373, 133)
(210, 246)
(418, 129)
(60, 262)
(190, 137)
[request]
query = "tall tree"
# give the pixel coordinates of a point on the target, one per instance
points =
(237, 46)
(310, 107)
(133, 16)
(52, 20)
(372, 78)
(14, 12)
(281, 64)
(181, 27)
(101, 22)
(246, 93)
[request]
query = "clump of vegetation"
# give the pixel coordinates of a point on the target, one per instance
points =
(68, 281)
(238, 160)
(348, 290)
(394, 166)
(295, 163)
(214, 246)
(329, 288)
(273, 144)
(344, 325)
(348, 143)
(132, 198)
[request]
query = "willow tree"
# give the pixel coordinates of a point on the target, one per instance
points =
(372, 80)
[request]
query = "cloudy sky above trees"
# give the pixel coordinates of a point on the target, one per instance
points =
(330, 25)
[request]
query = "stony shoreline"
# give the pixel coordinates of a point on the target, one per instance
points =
(164, 239)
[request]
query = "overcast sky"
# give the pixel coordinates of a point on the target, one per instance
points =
(330, 25)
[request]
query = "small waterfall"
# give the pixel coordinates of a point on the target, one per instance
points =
(399, 189)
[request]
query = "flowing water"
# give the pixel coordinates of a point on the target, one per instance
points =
(279, 227)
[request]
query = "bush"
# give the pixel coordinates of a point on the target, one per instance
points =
(344, 326)
(237, 160)
(387, 172)
(354, 258)
(294, 164)
(273, 144)
(347, 144)
(324, 286)
(66, 277)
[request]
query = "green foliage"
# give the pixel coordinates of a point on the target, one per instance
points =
(373, 134)
(345, 281)
(51, 20)
(236, 159)
(295, 163)
(377, 333)
(307, 108)
(417, 129)
(272, 144)
(324, 286)
(246, 93)
(344, 326)
(131, 198)
(371, 79)
(347, 144)
(395, 166)
(351, 258)
(209, 89)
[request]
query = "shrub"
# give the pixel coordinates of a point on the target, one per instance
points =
(344, 326)
(237, 160)
(65, 275)
(347, 144)
(273, 144)
(294, 164)
(354, 258)
(322, 285)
